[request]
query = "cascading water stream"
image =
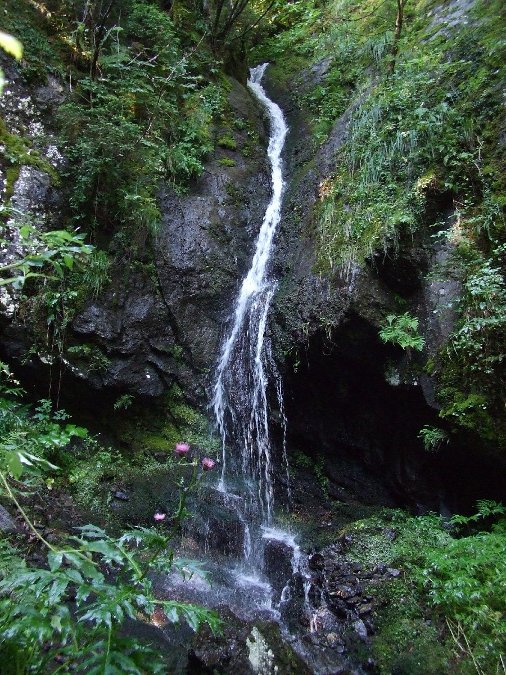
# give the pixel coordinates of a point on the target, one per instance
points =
(240, 390)
(240, 396)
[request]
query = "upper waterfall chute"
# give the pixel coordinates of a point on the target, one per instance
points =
(240, 389)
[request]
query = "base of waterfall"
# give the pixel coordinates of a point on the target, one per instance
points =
(301, 614)
(276, 614)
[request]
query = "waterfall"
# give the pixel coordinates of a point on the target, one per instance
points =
(263, 572)
(240, 390)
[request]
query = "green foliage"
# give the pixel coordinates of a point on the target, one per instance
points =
(406, 643)
(30, 442)
(461, 579)
(227, 141)
(230, 24)
(417, 143)
(323, 479)
(147, 117)
(40, 55)
(226, 161)
(123, 402)
(433, 115)
(56, 270)
(96, 274)
(301, 460)
(71, 611)
(432, 438)
(465, 581)
(479, 338)
(90, 472)
(88, 357)
(402, 330)
(177, 420)
(472, 392)
(486, 509)
(35, 613)
(46, 254)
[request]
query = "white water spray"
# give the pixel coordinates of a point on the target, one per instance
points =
(240, 390)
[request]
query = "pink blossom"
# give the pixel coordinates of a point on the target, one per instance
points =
(208, 464)
(159, 516)
(182, 449)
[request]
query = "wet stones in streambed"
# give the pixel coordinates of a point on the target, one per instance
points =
(244, 648)
(278, 565)
(347, 589)
(344, 587)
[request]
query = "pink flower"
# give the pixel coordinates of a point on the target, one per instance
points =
(182, 449)
(208, 464)
(159, 516)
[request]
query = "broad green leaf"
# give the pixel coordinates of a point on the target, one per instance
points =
(14, 465)
(54, 560)
(109, 551)
(92, 531)
(56, 622)
(74, 430)
(57, 590)
(86, 567)
(74, 576)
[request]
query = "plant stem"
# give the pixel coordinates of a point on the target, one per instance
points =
(23, 513)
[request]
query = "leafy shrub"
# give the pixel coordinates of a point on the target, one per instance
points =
(123, 402)
(432, 438)
(402, 330)
(465, 581)
(96, 274)
(89, 357)
(472, 392)
(44, 254)
(36, 619)
(145, 118)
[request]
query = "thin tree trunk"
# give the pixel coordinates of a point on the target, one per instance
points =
(100, 32)
(399, 21)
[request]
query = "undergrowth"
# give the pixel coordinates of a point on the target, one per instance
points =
(445, 612)
(64, 608)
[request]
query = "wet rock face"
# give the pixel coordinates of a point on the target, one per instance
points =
(132, 325)
(255, 648)
(169, 328)
(304, 296)
(29, 113)
(203, 250)
(215, 526)
(7, 522)
(450, 16)
(277, 564)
